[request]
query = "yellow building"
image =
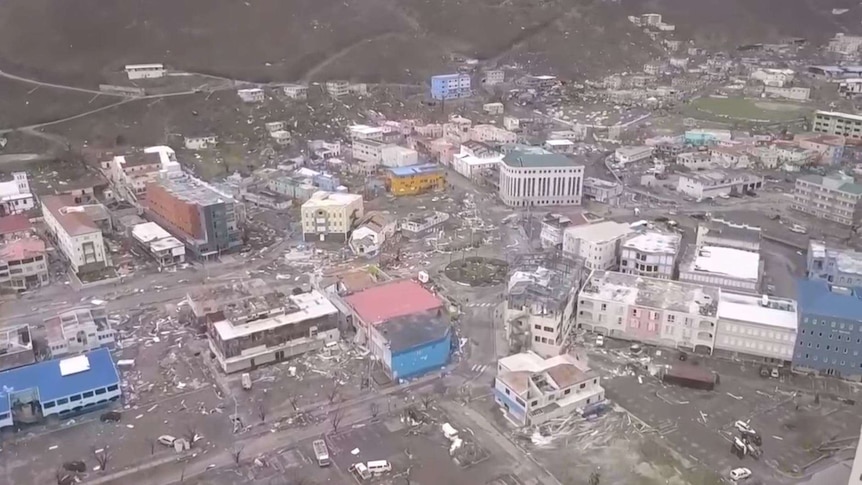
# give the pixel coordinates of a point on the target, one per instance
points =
(415, 179)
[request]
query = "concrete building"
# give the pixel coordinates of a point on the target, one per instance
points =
(14, 226)
(794, 93)
(648, 310)
(476, 161)
(539, 305)
(78, 330)
(372, 231)
(295, 91)
(365, 132)
(603, 191)
(420, 225)
(626, 155)
(727, 268)
(397, 156)
(414, 344)
(850, 87)
(756, 327)
(160, 244)
(15, 195)
(493, 77)
(257, 325)
(773, 77)
(845, 45)
(714, 184)
(597, 245)
(60, 387)
(251, 95)
(532, 390)
(337, 88)
(830, 147)
(23, 265)
(528, 179)
(200, 142)
(206, 219)
(75, 233)
(725, 234)
(368, 151)
(729, 157)
(416, 179)
(145, 71)
(492, 134)
(451, 86)
(651, 254)
(130, 174)
(839, 266)
(835, 198)
(553, 227)
(706, 137)
(829, 341)
(16, 347)
(698, 160)
(834, 123)
(493, 108)
(559, 146)
(329, 216)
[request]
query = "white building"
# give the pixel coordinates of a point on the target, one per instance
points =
(78, 330)
(728, 268)
(145, 71)
(416, 226)
(493, 108)
(626, 155)
(295, 91)
(23, 264)
(272, 126)
(337, 89)
(474, 163)
(846, 45)
(15, 196)
(329, 216)
(834, 123)
(795, 93)
(371, 233)
(511, 123)
(201, 142)
(729, 157)
(835, 197)
(773, 77)
(369, 151)
(598, 245)
(397, 156)
(577, 133)
(715, 184)
(649, 310)
(162, 246)
(756, 327)
(538, 310)
(603, 191)
(281, 137)
(559, 146)
(492, 134)
(532, 179)
(251, 95)
(493, 77)
(652, 254)
(838, 266)
(695, 160)
(726, 234)
(365, 132)
(75, 234)
(531, 390)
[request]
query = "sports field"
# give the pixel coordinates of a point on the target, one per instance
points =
(741, 109)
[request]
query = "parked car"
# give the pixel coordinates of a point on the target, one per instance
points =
(764, 371)
(742, 426)
(739, 474)
(600, 341)
(774, 373)
(167, 440)
(110, 417)
(798, 229)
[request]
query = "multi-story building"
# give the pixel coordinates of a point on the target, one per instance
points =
(834, 123)
(330, 216)
(416, 179)
(493, 77)
(398, 156)
(626, 155)
(76, 331)
(829, 340)
(652, 254)
(533, 179)
(145, 71)
(492, 134)
(653, 311)
(251, 95)
(337, 88)
(553, 227)
(773, 77)
(365, 132)
(830, 147)
(539, 305)
(16, 346)
(160, 244)
(15, 195)
(532, 390)
(75, 233)
(206, 219)
(794, 93)
(476, 160)
(255, 325)
(23, 265)
(131, 173)
(715, 184)
(726, 234)
(846, 45)
(835, 198)
(451, 86)
(200, 142)
(603, 191)
(420, 225)
(14, 226)
(597, 245)
(728, 268)
(368, 150)
(756, 327)
(839, 266)
(295, 91)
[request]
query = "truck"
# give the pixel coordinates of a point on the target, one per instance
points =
(321, 452)
(688, 375)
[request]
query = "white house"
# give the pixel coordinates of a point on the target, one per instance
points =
(200, 142)
(714, 184)
(492, 134)
(251, 95)
(282, 137)
(75, 233)
(511, 123)
(398, 156)
(373, 230)
(493, 108)
(773, 77)
(598, 245)
(295, 91)
(472, 163)
(15, 196)
(145, 71)
(652, 254)
(626, 155)
(559, 146)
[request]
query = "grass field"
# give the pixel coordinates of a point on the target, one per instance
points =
(741, 109)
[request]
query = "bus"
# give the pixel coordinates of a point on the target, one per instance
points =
(321, 452)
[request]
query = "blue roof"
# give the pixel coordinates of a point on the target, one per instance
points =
(415, 170)
(816, 298)
(45, 376)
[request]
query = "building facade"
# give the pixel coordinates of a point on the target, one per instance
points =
(451, 86)
(839, 266)
(15, 195)
(415, 180)
(145, 71)
(75, 233)
(528, 180)
(755, 327)
(412, 345)
(834, 198)
(398, 156)
(834, 123)
(717, 184)
(597, 245)
(330, 216)
(78, 330)
(23, 264)
(160, 244)
(727, 268)
(651, 254)
(626, 155)
(603, 191)
(648, 310)
(539, 305)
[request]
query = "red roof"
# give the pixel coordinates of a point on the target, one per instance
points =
(390, 300)
(74, 219)
(15, 223)
(22, 249)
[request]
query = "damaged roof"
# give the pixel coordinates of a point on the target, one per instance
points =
(411, 331)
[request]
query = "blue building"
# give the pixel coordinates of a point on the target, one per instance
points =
(414, 344)
(829, 340)
(62, 387)
(451, 86)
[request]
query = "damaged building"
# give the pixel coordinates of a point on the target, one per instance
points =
(75, 331)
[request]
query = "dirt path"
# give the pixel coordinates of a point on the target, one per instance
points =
(311, 73)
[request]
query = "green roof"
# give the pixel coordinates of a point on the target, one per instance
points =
(537, 160)
(834, 182)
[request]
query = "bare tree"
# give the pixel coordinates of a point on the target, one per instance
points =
(335, 418)
(427, 400)
(261, 411)
(102, 457)
(375, 409)
(152, 442)
(190, 433)
(294, 402)
(333, 394)
(237, 453)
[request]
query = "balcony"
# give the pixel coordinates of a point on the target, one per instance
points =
(705, 325)
(705, 336)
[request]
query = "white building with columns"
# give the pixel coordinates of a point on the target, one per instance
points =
(540, 179)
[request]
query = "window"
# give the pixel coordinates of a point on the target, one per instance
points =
(534, 403)
(75, 397)
(583, 385)
(88, 394)
(100, 391)
(567, 392)
(62, 401)
(113, 387)
(537, 339)
(48, 405)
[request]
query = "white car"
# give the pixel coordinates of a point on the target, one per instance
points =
(167, 440)
(739, 474)
(798, 229)
(742, 426)
(600, 341)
